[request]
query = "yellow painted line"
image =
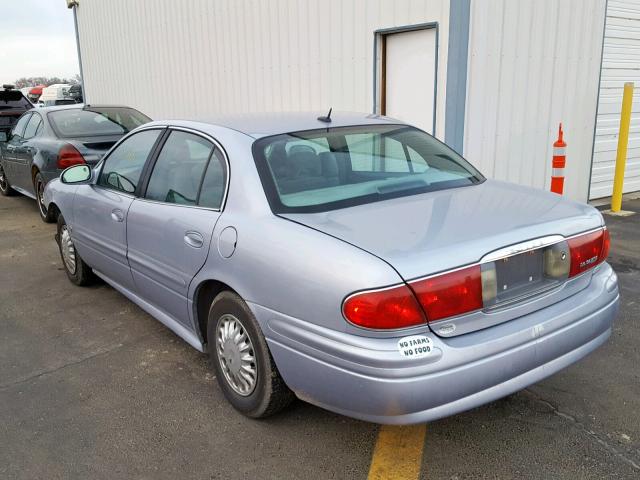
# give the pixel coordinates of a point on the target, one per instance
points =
(398, 453)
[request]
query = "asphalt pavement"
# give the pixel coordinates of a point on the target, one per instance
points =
(91, 387)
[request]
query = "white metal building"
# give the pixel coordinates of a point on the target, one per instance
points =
(492, 78)
(620, 64)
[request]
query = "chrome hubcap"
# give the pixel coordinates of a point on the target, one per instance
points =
(68, 250)
(236, 355)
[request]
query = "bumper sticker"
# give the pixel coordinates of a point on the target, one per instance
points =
(415, 346)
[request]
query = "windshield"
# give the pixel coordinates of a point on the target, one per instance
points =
(320, 170)
(10, 99)
(96, 121)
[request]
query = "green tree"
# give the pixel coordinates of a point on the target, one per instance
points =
(33, 81)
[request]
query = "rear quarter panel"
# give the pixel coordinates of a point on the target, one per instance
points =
(45, 157)
(294, 270)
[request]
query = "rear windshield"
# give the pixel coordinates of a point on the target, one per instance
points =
(10, 99)
(89, 122)
(320, 170)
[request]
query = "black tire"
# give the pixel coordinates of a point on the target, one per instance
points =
(5, 185)
(270, 394)
(48, 215)
(82, 274)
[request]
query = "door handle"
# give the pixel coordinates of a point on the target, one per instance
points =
(194, 239)
(117, 215)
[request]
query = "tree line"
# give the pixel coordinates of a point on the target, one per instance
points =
(46, 81)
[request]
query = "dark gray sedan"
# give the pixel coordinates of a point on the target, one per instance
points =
(46, 141)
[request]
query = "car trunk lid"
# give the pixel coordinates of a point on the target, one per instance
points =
(422, 235)
(94, 148)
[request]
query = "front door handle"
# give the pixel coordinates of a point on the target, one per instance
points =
(117, 215)
(194, 239)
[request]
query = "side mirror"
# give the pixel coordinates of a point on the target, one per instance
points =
(76, 174)
(4, 137)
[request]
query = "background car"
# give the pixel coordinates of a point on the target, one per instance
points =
(355, 261)
(75, 93)
(35, 93)
(12, 104)
(53, 94)
(47, 140)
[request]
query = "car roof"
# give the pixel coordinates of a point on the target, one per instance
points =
(259, 125)
(54, 108)
(72, 106)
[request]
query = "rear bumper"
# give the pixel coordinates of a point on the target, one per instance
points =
(367, 378)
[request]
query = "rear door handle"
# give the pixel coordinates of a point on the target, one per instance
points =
(117, 215)
(194, 239)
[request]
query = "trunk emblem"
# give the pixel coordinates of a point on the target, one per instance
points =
(588, 261)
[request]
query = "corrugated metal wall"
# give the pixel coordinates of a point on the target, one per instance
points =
(195, 58)
(532, 64)
(620, 64)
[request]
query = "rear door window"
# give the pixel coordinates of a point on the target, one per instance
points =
(33, 127)
(18, 129)
(214, 183)
(178, 172)
(122, 168)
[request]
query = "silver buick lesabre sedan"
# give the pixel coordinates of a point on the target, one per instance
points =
(354, 262)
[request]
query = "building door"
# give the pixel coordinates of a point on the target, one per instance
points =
(619, 65)
(408, 77)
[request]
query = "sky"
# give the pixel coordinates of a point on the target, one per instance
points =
(37, 38)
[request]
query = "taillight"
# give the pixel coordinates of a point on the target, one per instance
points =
(588, 250)
(606, 246)
(394, 307)
(68, 156)
(466, 289)
(449, 294)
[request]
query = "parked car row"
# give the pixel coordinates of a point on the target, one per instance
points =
(56, 94)
(350, 260)
(60, 94)
(45, 141)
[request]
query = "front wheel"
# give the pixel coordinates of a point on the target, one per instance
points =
(48, 215)
(5, 186)
(78, 272)
(240, 356)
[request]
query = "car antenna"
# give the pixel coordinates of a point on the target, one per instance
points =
(326, 119)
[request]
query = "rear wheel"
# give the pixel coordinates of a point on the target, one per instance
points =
(240, 357)
(78, 272)
(48, 215)
(5, 186)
